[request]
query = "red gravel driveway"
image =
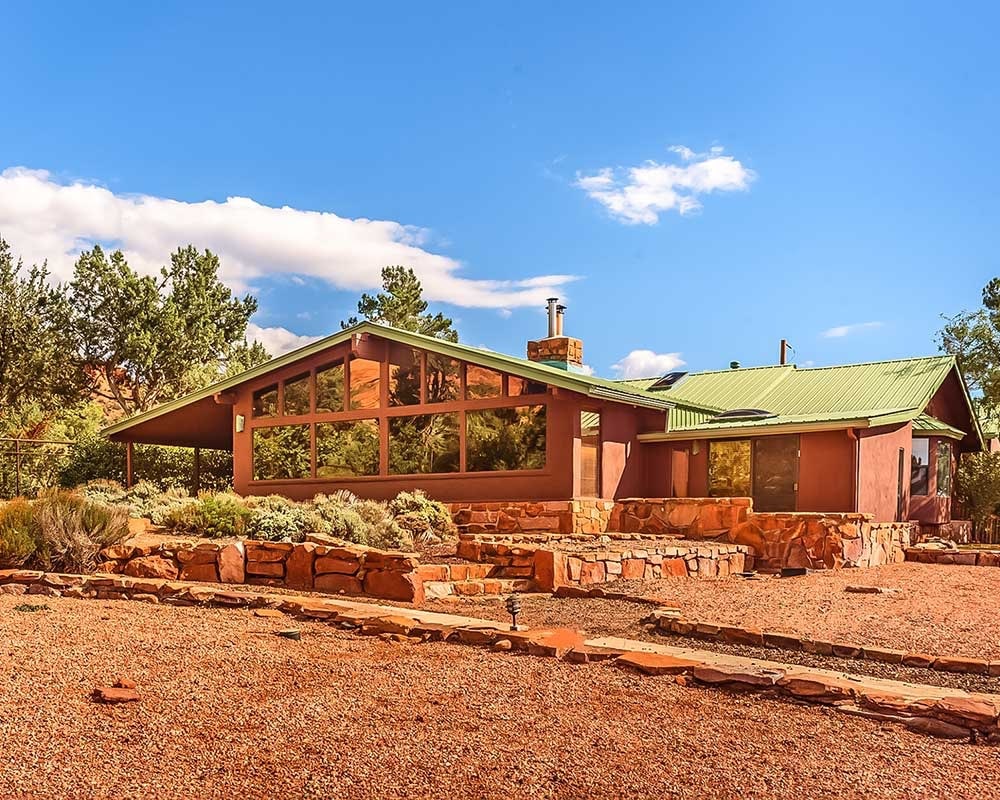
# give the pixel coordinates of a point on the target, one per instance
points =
(229, 710)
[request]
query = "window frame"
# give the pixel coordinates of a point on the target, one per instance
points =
(384, 412)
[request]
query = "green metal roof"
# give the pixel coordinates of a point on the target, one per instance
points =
(589, 385)
(925, 423)
(881, 392)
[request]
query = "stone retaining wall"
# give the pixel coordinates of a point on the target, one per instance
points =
(557, 516)
(309, 565)
(690, 517)
(821, 541)
(555, 568)
(969, 558)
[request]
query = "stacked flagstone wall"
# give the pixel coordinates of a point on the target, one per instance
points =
(821, 541)
(555, 516)
(777, 540)
(308, 565)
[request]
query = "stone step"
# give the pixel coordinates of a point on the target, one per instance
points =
(435, 590)
(473, 571)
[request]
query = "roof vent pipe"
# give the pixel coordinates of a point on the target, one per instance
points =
(560, 313)
(734, 365)
(552, 301)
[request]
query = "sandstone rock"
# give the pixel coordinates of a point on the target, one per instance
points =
(115, 694)
(152, 567)
(268, 613)
(957, 664)
(406, 587)
(231, 563)
(967, 710)
(737, 675)
(816, 687)
(936, 727)
(336, 582)
(656, 663)
(13, 588)
(266, 569)
(199, 572)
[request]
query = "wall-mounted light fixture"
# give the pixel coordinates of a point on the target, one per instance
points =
(241, 423)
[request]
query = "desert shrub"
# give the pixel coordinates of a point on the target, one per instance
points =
(72, 530)
(423, 518)
(18, 533)
(275, 518)
(341, 519)
(216, 516)
(383, 530)
(103, 491)
(144, 499)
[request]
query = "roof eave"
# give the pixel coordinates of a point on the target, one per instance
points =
(522, 367)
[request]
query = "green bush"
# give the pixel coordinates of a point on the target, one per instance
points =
(216, 516)
(383, 530)
(423, 518)
(72, 530)
(277, 518)
(18, 533)
(341, 520)
(143, 500)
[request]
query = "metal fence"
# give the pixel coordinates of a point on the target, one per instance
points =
(28, 465)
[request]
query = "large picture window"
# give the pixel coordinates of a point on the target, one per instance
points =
(281, 452)
(505, 439)
(944, 469)
(423, 444)
(919, 467)
(345, 449)
(330, 389)
(340, 421)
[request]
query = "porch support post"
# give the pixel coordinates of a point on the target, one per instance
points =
(197, 470)
(129, 465)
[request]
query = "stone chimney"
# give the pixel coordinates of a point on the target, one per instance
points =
(557, 350)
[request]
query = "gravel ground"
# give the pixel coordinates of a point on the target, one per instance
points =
(942, 610)
(230, 710)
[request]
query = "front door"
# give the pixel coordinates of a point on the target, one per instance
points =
(775, 473)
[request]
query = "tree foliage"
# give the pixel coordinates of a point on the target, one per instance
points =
(401, 305)
(978, 486)
(38, 370)
(973, 337)
(148, 339)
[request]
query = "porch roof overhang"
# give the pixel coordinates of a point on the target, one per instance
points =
(200, 423)
(776, 426)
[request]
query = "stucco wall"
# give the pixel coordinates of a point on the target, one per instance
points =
(878, 456)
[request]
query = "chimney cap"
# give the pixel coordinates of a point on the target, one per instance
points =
(734, 365)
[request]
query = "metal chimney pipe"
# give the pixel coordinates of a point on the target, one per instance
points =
(552, 301)
(560, 313)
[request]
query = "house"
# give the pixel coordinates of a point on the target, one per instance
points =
(379, 410)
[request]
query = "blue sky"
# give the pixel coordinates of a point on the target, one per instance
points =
(856, 184)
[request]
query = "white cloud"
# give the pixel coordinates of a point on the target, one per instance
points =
(840, 331)
(43, 219)
(638, 195)
(647, 364)
(277, 340)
